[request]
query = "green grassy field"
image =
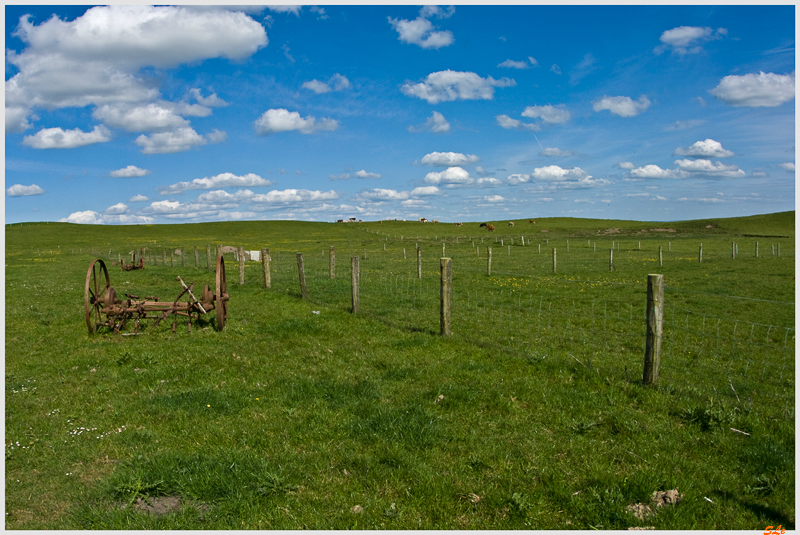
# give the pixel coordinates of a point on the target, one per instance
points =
(300, 414)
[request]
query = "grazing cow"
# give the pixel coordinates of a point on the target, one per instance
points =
(423, 220)
(482, 225)
(435, 220)
(490, 228)
(340, 221)
(532, 221)
(510, 223)
(360, 221)
(458, 224)
(352, 220)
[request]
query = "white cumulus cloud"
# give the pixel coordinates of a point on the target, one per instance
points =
(154, 116)
(336, 83)
(708, 168)
(138, 198)
(117, 209)
(421, 31)
(704, 149)
(212, 101)
(451, 176)
(129, 172)
(443, 86)
(518, 178)
(567, 177)
(223, 180)
(290, 196)
(549, 114)
(436, 123)
(449, 159)
(282, 120)
(58, 138)
(87, 217)
(557, 173)
(788, 166)
(513, 64)
(97, 58)
(509, 123)
(18, 190)
(755, 90)
(622, 106)
(688, 39)
(700, 168)
(179, 140)
(424, 191)
(379, 194)
(652, 171)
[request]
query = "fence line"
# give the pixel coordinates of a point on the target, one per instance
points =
(600, 326)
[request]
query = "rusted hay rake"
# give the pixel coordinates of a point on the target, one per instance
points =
(105, 309)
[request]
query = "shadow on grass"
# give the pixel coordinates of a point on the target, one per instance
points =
(771, 515)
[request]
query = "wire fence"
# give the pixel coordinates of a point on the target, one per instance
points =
(714, 345)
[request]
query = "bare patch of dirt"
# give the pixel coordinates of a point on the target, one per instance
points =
(159, 505)
(640, 511)
(667, 497)
(660, 498)
(609, 231)
(662, 230)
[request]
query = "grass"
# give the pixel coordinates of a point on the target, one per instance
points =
(300, 414)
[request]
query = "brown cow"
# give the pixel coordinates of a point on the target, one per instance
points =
(458, 224)
(490, 228)
(531, 221)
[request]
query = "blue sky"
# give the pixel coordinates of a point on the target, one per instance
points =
(141, 114)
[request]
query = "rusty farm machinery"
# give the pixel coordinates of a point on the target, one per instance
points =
(105, 309)
(134, 264)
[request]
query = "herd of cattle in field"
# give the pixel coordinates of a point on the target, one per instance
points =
(487, 226)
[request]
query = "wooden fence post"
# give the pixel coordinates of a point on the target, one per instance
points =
(241, 265)
(756, 249)
(332, 262)
(660, 257)
(611, 259)
(183, 256)
(655, 328)
(489, 262)
(733, 250)
(265, 261)
(354, 279)
(554, 259)
(446, 270)
(419, 262)
(302, 274)
(700, 254)
(196, 258)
